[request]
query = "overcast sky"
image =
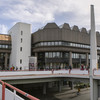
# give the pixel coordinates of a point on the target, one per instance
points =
(40, 12)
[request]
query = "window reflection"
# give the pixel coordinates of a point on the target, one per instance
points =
(77, 55)
(62, 43)
(5, 46)
(56, 54)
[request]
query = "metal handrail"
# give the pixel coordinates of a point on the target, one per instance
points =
(4, 84)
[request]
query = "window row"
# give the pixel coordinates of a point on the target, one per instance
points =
(77, 55)
(64, 55)
(61, 43)
(5, 46)
(56, 55)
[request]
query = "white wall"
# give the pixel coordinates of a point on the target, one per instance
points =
(9, 95)
(16, 37)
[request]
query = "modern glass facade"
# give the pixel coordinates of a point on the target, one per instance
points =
(59, 60)
(5, 46)
(63, 43)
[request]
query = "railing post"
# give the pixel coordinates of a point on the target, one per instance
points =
(3, 91)
(14, 94)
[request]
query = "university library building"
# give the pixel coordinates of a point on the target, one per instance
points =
(54, 46)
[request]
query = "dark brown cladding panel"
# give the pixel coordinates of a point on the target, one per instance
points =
(51, 32)
(60, 35)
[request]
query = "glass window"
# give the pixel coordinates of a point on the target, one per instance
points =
(20, 61)
(71, 44)
(56, 43)
(81, 45)
(63, 43)
(65, 55)
(20, 48)
(39, 44)
(83, 56)
(49, 43)
(97, 56)
(46, 55)
(89, 56)
(61, 54)
(98, 48)
(6, 46)
(42, 43)
(66, 43)
(9, 46)
(21, 32)
(58, 54)
(74, 44)
(60, 43)
(54, 54)
(21, 40)
(3, 46)
(50, 54)
(76, 55)
(36, 45)
(78, 45)
(45, 43)
(84, 46)
(73, 55)
(52, 43)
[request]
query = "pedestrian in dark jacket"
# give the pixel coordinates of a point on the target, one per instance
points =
(70, 68)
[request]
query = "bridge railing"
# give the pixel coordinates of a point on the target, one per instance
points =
(4, 84)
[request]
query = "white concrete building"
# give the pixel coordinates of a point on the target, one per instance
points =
(21, 45)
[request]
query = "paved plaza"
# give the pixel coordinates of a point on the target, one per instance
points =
(65, 94)
(72, 95)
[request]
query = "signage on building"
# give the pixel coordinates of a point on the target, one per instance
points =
(32, 63)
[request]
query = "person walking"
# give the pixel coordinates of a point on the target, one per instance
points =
(78, 92)
(70, 68)
(20, 68)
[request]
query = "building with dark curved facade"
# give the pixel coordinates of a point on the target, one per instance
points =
(60, 46)
(54, 46)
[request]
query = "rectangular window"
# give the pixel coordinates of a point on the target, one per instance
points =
(49, 43)
(58, 54)
(3, 46)
(21, 40)
(54, 54)
(46, 55)
(60, 43)
(21, 32)
(20, 48)
(56, 43)
(42, 43)
(52, 43)
(71, 44)
(6, 46)
(45, 43)
(20, 61)
(50, 54)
